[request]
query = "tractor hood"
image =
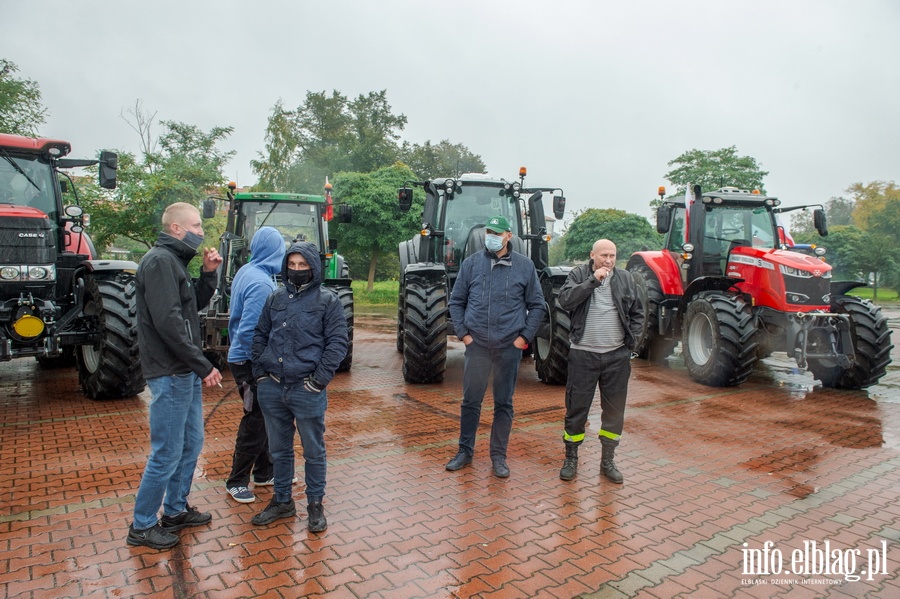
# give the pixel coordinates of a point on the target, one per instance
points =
(785, 261)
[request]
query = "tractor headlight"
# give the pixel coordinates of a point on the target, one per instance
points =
(36, 272)
(795, 272)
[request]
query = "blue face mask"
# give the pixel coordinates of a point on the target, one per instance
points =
(192, 240)
(493, 243)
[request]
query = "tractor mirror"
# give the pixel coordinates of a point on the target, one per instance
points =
(663, 218)
(819, 222)
(332, 244)
(109, 163)
(209, 208)
(345, 213)
(405, 198)
(559, 206)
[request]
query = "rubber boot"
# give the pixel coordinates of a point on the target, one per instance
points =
(570, 465)
(608, 466)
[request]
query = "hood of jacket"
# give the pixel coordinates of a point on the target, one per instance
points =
(311, 253)
(267, 250)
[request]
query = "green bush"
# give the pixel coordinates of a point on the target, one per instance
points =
(383, 293)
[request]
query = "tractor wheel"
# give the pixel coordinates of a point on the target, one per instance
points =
(871, 339)
(719, 343)
(651, 346)
(551, 353)
(425, 331)
(345, 294)
(111, 368)
(401, 320)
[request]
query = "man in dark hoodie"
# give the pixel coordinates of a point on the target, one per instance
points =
(300, 340)
(170, 343)
(249, 290)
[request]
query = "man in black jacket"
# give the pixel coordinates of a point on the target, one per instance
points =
(170, 343)
(606, 320)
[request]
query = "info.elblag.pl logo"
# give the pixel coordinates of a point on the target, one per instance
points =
(815, 559)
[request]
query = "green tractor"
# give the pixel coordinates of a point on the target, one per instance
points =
(298, 217)
(453, 228)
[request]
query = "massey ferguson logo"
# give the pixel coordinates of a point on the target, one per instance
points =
(32, 235)
(817, 273)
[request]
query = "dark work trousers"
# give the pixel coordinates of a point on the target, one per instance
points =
(480, 361)
(251, 448)
(589, 371)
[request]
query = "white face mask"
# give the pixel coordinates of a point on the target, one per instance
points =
(493, 242)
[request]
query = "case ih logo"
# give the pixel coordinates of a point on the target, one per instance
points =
(37, 235)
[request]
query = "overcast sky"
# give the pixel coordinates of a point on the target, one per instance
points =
(594, 97)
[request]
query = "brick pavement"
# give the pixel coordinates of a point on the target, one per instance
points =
(706, 471)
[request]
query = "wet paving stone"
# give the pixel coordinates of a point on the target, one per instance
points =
(720, 484)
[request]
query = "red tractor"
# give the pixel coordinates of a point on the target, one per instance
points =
(732, 293)
(59, 302)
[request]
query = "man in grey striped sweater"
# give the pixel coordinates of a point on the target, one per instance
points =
(606, 320)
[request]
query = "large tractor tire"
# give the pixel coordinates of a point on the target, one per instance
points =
(651, 346)
(871, 340)
(345, 294)
(719, 342)
(551, 343)
(401, 320)
(111, 368)
(425, 331)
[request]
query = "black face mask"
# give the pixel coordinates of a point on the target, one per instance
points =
(300, 277)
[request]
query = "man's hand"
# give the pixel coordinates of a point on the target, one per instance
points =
(521, 342)
(601, 273)
(311, 385)
(213, 378)
(467, 339)
(211, 259)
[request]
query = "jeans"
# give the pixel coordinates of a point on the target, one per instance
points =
(176, 438)
(251, 447)
(480, 361)
(588, 371)
(285, 407)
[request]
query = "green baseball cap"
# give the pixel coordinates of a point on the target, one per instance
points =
(498, 224)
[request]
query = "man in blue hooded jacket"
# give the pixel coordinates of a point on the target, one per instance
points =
(300, 340)
(496, 307)
(249, 290)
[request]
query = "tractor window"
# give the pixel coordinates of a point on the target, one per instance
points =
(472, 207)
(294, 221)
(676, 233)
(737, 225)
(27, 181)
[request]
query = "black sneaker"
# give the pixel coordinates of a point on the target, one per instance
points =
(275, 511)
(155, 537)
(317, 521)
(191, 517)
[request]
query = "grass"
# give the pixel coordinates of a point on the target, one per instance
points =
(885, 295)
(384, 293)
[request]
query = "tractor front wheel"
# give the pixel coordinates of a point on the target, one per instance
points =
(719, 341)
(425, 326)
(871, 341)
(111, 368)
(551, 344)
(345, 294)
(651, 346)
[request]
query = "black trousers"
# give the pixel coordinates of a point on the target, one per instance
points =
(589, 371)
(251, 448)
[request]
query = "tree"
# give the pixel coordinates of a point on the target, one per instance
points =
(877, 208)
(838, 213)
(378, 225)
(186, 167)
(21, 111)
(867, 255)
(429, 161)
(712, 169)
(630, 232)
(326, 135)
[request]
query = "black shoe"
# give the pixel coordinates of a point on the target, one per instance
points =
(501, 470)
(191, 517)
(155, 537)
(459, 460)
(275, 511)
(317, 521)
(609, 470)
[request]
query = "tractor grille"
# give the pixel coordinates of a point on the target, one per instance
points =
(25, 240)
(812, 291)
